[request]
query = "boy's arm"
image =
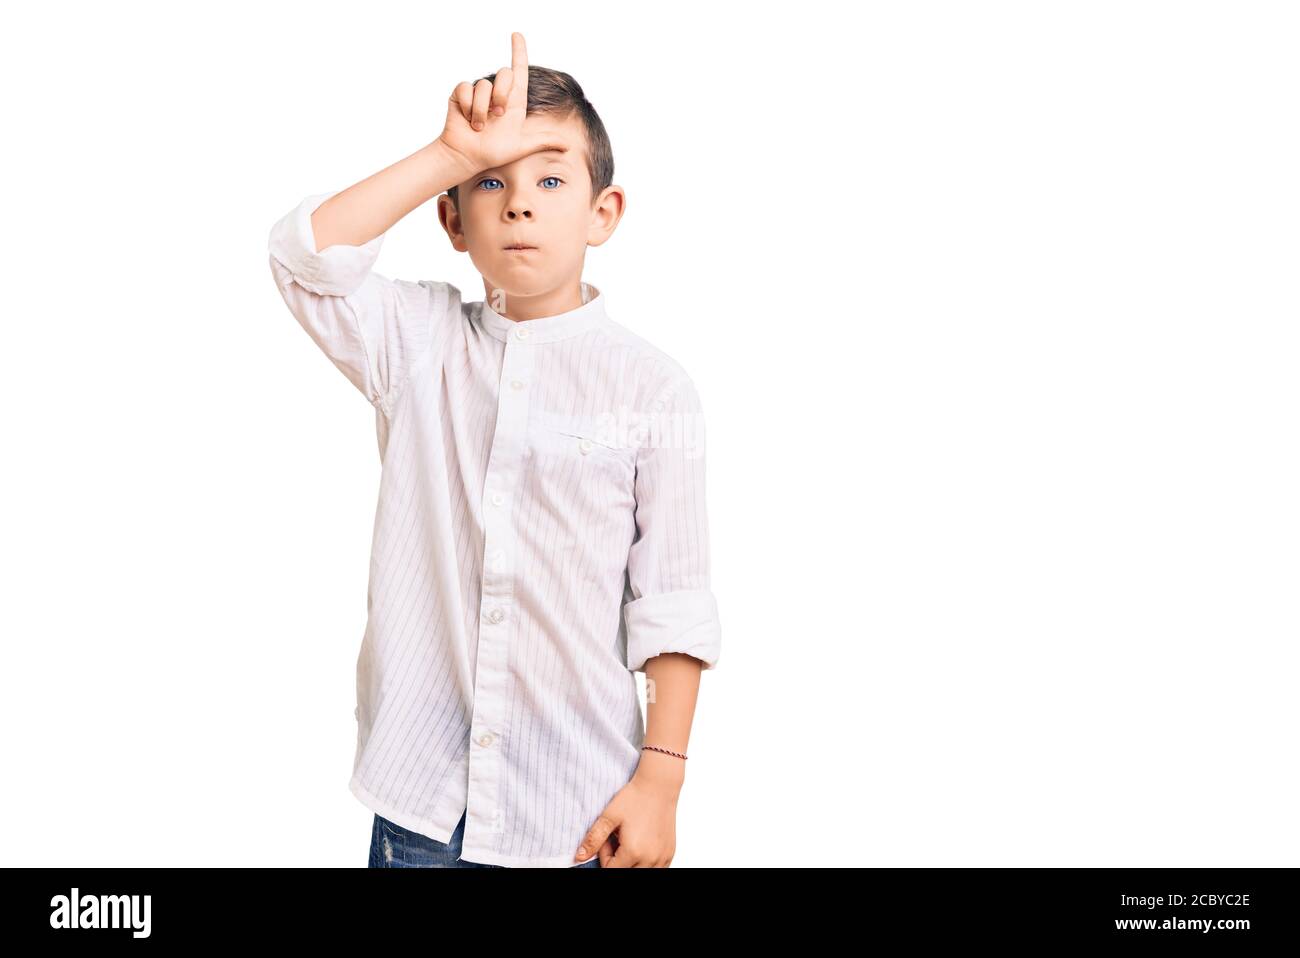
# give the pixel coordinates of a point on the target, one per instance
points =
(672, 629)
(673, 633)
(369, 209)
(672, 687)
(371, 327)
(671, 606)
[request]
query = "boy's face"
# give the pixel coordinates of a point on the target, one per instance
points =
(542, 200)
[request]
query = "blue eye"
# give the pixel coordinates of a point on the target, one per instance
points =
(490, 179)
(556, 178)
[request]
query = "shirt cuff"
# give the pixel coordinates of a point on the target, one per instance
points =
(684, 621)
(334, 271)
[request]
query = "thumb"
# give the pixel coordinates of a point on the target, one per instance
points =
(596, 835)
(529, 143)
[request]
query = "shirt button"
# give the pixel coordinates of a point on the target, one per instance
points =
(498, 561)
(497, 498)
(585, 446)
(485, 739)
(496, 615)
(517, 384)
(659, 406)
(522, 332)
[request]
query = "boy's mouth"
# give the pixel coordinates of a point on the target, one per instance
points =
(520, 246)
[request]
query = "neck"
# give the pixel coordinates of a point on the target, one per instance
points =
(515, 307)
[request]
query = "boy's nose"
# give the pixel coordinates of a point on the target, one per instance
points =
(517, 211)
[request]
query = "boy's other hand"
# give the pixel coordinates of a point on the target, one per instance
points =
(485, 120)
(637, 829)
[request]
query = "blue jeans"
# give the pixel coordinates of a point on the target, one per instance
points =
(392, 846)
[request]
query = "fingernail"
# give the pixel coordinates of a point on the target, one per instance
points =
(478, 125)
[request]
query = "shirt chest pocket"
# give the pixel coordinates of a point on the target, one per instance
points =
(578, 456)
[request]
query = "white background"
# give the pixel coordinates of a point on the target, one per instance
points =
(993, 311)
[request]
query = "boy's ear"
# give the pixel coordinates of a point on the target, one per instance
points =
(449, 217)
(608, 209)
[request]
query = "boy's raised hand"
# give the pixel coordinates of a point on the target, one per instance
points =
(485, 120)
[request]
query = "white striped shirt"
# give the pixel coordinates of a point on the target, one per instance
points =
(532, 548)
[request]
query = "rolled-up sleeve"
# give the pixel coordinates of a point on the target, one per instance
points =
(371, 327)
(669, 603)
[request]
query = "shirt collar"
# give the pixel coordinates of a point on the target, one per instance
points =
(548, 329)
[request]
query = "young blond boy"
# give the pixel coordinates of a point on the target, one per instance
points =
(541, 533)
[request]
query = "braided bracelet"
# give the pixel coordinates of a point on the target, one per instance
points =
(664, 750)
